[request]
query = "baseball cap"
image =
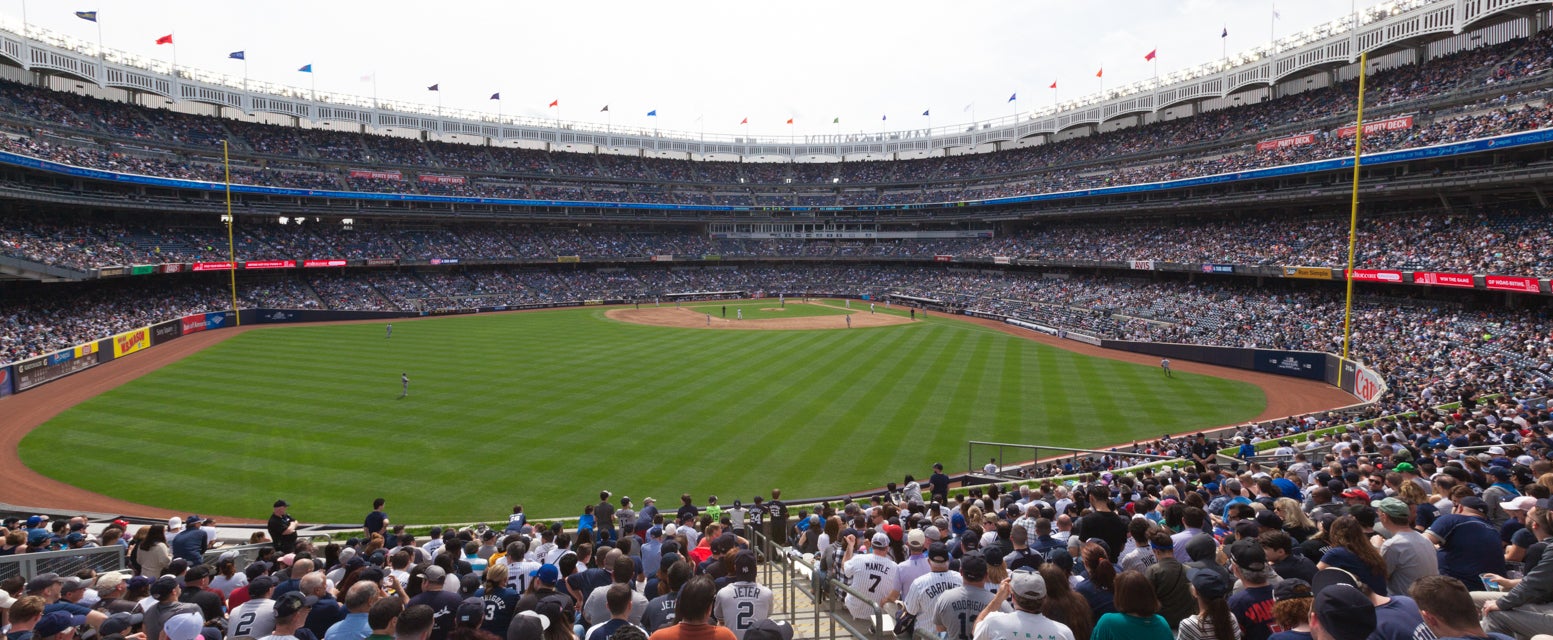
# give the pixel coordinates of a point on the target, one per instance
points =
(544, 620)
(470, 612)
(286, 560)
(1474, 503)
(916, 539)
(138, 582)
(938, 552)
(1209, 584)
(33, 521)
(6, 600)
(261, 584)
(53, 623)
(163, 586)
(1291, 589)
(1392, 507)
(1248, 555)
(932, 533)
(196, 573)
(292, 602)
(1270, 520)
(193, 520)
(1406, 467)
(973, 567)
(184, 626)
(744, 565)
(769, 629)
(42, 581)
(655, 532)
(75, 537)
(281, 503)
(119, 623)
(1499, 472)
(174, 523)
(894, 531)
(881, 540)
(434, 573)
(1027, 584)
(1521, 503)
(72, 585)
(1343, 611)
(1354, 568)
(548, 574)
(1356, 493)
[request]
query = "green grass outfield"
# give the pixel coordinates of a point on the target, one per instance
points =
(773, 308)
(547, 408)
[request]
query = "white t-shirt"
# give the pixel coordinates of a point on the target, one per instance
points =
(742, 604)
(1020, 625)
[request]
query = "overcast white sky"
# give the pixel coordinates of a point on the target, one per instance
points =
(768, 61)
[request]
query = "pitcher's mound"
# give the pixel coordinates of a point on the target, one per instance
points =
(688, 319)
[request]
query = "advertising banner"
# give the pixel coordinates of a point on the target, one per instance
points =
(1141, 265)
(211, 266)
(435, 179)
(131, 341)
(382, 262)
(176, 267)
(1379, 126)
(1512, 283)
(1310, 273)
(1367, 385)
(1300, 364)
(444, 260)
(165, 331)
(1438, 279)
(112, 272)
(376, 175)
(942, 258)
(84, 350)
(6, 387)
(142, 270)
(1002, 260)
(270, 264)
(31, 373)
(1218, 268)
(568, 259)
(203, 321)
(712, 257)
(1291, 141)
(311, 264)
(1376, 275)
(663, 258)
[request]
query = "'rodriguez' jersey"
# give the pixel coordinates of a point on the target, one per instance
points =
(742, 604)
(957, 609)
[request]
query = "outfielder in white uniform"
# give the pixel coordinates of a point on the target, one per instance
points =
(743, 602)
(873, 574)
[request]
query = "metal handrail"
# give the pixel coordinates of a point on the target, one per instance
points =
(65, 562)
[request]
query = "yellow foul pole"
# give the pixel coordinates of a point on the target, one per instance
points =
(231, 247)
(1353, 214)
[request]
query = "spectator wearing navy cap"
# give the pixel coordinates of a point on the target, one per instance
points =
(195, 591)
(921, 596)
(1340, 611)
(165, 590)
(1501, 490)
(1469, 545)
(290, 612)
(1253, 605)
(190, 543)
(1396, 617)
(1170, 579)
(54, 626)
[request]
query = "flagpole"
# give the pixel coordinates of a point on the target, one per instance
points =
(374, 89)
(101, 52)
(231, 247)
(27, 31)
(175, 55)
(1353, 214)
(245, 72)
(1272, 29)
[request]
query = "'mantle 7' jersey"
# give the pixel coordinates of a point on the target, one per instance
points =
(742, 604)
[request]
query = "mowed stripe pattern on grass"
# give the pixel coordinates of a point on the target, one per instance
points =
(545, 409)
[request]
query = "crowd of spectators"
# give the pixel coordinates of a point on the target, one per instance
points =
(121, 137)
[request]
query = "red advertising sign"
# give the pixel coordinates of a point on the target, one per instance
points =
(1389, 124)
(376, 175)
(1512, 283)
(435, 179)
(1291, 141)
(270, 264)
(1433, 278)
(169, 268)
(309, 264)
(212, 266)
(1367, 385)
(943, 258)
(1376, 275)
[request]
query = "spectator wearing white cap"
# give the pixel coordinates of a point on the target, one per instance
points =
(1027, 590)
(1515, 532)
(916, 563)
(873, 574)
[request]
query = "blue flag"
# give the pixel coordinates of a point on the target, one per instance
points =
(435, 87)
(1013, 97)
(306, 68)
(925, 112)
(884, 117)
(89, 16)
(654, 112)
(237, 55)
(1225, 34)
(496, 96)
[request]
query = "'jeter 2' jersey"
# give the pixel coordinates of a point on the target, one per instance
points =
(742, 604)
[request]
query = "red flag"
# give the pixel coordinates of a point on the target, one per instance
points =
(1100, 73)
(744, 121)
(167, 39)
(1054, 84)
(1150, 55)
(556, 102)
(789, 120)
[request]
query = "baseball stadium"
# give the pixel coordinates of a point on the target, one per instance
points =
(261, 303)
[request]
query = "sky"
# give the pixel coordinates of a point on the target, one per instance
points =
(700, 64)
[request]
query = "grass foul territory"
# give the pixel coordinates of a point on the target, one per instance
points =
(548, 408)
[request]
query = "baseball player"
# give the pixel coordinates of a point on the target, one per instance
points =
(849, 322)
(390, 332)
(743, 602)
(1165, 364)
(740, 312)
(404, 381)
(870, 307)
(708, 319)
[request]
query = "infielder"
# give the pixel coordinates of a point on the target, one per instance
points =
(740, 312)
(870, 307)
(849, 322)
